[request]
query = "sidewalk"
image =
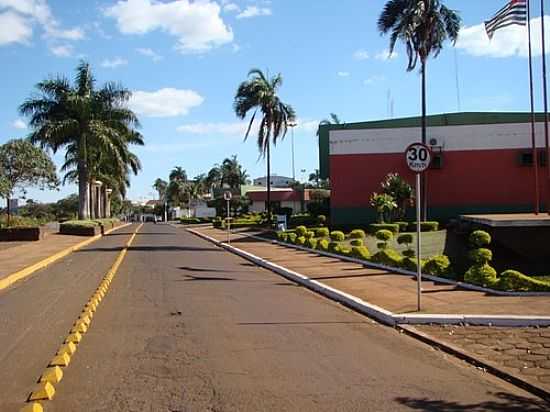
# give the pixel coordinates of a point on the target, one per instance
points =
(522, 353)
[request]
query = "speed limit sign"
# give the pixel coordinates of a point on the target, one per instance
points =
(227, 195)
(419, 157)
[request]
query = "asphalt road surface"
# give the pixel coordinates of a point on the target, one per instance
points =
(187, 326)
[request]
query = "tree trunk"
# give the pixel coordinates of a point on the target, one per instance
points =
(83, 191)
(424, 180)
(9, 211)
(269, 182)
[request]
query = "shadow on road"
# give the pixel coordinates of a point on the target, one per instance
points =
(507, 403)
(205, 270)
(191, 278)
(299, 323)
(153, 249)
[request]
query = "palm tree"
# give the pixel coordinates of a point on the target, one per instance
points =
(178, 173)
(259, 93)
(85, 121)
(423, 25)
(160, 186)
(232, 173)
(333, 119)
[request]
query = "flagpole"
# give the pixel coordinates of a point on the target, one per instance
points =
(545, 92)
(533, 135)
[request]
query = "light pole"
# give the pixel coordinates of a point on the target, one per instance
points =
(292, 125)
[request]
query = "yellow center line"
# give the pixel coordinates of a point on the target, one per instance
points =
(45, 389)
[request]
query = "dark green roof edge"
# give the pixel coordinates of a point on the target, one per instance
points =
(446, 119)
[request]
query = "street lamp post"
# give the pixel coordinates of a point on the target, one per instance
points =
(292, 125)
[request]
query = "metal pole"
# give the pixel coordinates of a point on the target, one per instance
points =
(545, 92)
(418, 244)
(533, 134)
(228, 223)
(293, 168)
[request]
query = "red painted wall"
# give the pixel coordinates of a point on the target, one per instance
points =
(484, 177)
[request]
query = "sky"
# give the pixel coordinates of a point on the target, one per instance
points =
(183, 60)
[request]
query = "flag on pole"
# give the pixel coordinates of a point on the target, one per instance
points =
(514, 13)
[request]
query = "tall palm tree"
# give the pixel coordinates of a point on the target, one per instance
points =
(232, 173)
(85, 121)
(333, 119)
(160, 186)
(423, 25)
(259, 93)
(178, 173)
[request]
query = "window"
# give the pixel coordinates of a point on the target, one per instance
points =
(526, 158)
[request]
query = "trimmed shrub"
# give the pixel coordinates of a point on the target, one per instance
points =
(480, 256)
(387, 257)
(480, 238)
(301, 241)
(438, 266)
(321, 220)
(403, 226)
(382, 245)
(360, 252)
(291, 238)
(334, 247)
(408, 263)
(481, 275)
(392, 227)
(281, 236)
(322, 232)
(312, 243)
(337, 236)
(516, 281)
(357, 234)
(384, 235)
(310, 235)
(357, 242)
(345, 251)
(409, 253)
(425, 226)
(301, 230)
(405, 239)
(323, 245)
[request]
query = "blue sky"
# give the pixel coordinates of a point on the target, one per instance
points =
(184, 61)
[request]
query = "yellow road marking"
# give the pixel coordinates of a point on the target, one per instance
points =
(23, 273)
(53, 374)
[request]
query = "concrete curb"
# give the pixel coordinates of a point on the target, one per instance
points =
(490, 367)
(29, 270)
(376, 312)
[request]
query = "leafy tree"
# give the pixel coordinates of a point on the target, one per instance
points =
(87, 122)
(23, 165)
(333, 119)
(178, 173)
(383, 204)
(66, 208)
(259, 94)
(160, 186)
(401, 191)
(232, 173)
(424, 26)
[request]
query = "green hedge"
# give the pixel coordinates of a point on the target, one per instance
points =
(337, 236)
(360, 252)
(512, 280)
(425, 226)
(388, 257)
(322, 232)
(357, 234)
(438, 266)
(80, 223)
(375, 227)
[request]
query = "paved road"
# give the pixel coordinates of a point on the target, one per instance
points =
(189, 327)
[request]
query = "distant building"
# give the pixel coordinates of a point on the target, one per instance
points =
(276, 181)
(297, 200)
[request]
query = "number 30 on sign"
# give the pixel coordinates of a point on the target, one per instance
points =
(419, 157)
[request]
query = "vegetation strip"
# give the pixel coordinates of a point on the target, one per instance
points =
(23, 273)
(45, 389)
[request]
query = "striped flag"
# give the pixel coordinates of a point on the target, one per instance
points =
(514, 12)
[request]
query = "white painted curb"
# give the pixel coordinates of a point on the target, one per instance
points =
(380, 314)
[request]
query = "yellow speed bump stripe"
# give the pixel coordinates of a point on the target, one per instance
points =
(53, 374)
(23, 273)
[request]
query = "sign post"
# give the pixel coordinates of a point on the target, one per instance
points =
(419, 158)
(227, 196)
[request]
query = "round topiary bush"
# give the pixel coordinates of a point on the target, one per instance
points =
(357, 242)
(322, 220)
(322, 232)
(310, 235)
(301, 230)
(291, 238)
(301, 241)
(409, 253)
(323, 245)
(335, 247)
(480, 238)
(481, 275)
(337, 236)
(438, 266)
(357, 234)
(360, 252)
(384, 235)
(311, 243)
(481, 256)
(405, 239)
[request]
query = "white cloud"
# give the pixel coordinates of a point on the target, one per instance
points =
(19, 124)
(14, 28)
(254, 11)
(197, 25)
(361, 55)
(508, 42)
(231, 7)
(238, 129)
(168, 102)
(385, 55)
(114, 63)
(150, 53)
(374, 79)
(343, 74)
(18, 17)
(63, 50)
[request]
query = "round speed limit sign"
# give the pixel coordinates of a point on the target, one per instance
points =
(227, 195)
(419, 157)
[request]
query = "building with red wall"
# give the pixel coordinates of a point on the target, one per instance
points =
(483, 163)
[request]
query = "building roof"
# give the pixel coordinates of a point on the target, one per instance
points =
(288, 195)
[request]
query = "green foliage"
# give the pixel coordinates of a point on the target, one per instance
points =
(425, 226)
(344, 251)
(19, 222)
(310, 235)
(301, 230)
(382, 245)
(360, 252)
(481, 256)
(311, 243)
(301, 241)
(337, 236)
(481, 275)
(384, 235)
(409, 253)
(403, 226)
(512, 280)
(405, 239)
(292, 238)
(375, 227)
(400, 191)
(357, 242)
(409, 263)
(80, 224)
(281, 236)
(480, 239)
(322, 232)
(323, 245)
(387, 257)
(321, 220)
(302, 220)
(384, 204)
(357, 234)
(438, 266)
